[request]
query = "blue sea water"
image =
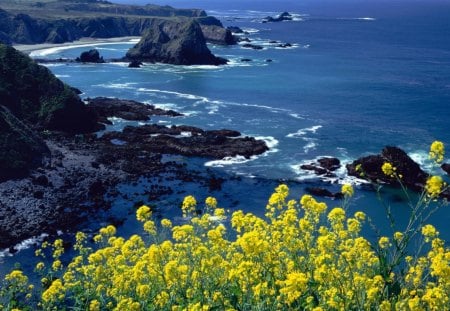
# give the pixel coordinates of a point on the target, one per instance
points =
(360, 75)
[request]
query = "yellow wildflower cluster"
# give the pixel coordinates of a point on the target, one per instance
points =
(434, 186)
(388, 169)
(301, 256)
(437, 151)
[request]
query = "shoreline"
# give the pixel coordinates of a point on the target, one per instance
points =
(28, 48)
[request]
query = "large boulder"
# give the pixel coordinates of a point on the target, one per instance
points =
(35, 96)
(178, 42)
(369, 168)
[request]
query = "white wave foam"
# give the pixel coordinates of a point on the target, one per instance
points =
(296, 116)
(62, 76)
(341, 177)
(310, 145)
(117, 85)
(357, 18)
(421, 157)
(270, 141)
(229, 161)
(25, 244)
(304, 131)
(54, 50)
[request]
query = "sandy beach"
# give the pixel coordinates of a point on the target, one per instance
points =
(28, 48)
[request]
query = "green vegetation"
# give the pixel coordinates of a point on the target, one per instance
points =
(35, 96)
(300, 256)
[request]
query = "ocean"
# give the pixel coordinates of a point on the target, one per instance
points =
(359, 75)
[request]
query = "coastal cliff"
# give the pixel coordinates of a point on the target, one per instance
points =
(60, 21)
(178, 42)
(32, 99)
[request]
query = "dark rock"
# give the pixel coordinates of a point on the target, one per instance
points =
(240, 39)
(105, 108)
(135, 64)
(284, 45)
(311, 167)
(246, 60)
(252, 46)
(446, 167)
(322, 192)
(174, 42)
(38, 194)
(413, 176)
(218, 35)
(285, 16)
(210, 144)
(330, 164)
(235, 29)
(75, 90)
(269, 60)
(91, 56)
(41, 180)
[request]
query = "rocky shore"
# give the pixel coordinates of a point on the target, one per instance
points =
(82, 169)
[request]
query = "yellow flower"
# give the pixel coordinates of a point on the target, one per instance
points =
(437, 151)
(398, 236)
(143, 213)
(211, 202)
(347, 190)
(388, 169)
(94, 305)
(383, 242)
(166, 223)
(434, 186)
(429, 232)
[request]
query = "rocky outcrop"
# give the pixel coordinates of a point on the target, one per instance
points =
(105, 108)
(252, 46)
(324, 166)
(178, 42)
(91, 56)
(188, 141)
(35, 96)
(369, 168)
(285, 16)
(214, 32)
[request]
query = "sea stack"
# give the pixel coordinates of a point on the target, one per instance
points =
(178, 42)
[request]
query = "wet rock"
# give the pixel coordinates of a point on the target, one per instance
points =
(246, 60)
(41, 180)
(91, 56)
(446, 167)
(252, 46)
(322, 192)
(105, 108)
(285, 16)
(330, 164)
(235, 29)
(135, 64)
(413, 176)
